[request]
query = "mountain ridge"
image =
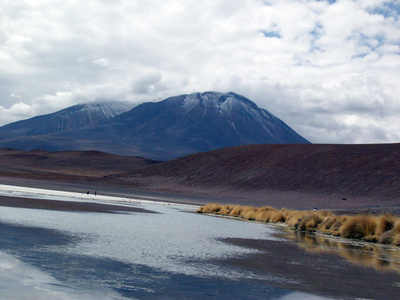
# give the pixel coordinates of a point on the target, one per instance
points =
(76, 116)
(171, 128)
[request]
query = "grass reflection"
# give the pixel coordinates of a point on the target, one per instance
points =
(381, 258)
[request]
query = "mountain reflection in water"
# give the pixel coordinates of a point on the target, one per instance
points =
(380, 257)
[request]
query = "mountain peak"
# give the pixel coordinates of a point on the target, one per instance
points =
(163, 130)
(217, 99)
(203, 121)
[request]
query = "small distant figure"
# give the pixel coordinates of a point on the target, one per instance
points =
(315, 208)
(88, 193)
(95, 193)
(344, 199)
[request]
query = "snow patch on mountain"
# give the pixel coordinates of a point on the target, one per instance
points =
(106, 110)
(190, 101)
(229, 106)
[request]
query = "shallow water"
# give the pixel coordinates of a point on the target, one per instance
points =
(382, 258)
(46, 254)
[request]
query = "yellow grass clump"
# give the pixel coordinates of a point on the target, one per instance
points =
(359, 227)
(384, 229)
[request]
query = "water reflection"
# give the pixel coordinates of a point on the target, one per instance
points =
(382, 258)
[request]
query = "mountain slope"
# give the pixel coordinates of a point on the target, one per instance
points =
(73, 117)
(171, 128)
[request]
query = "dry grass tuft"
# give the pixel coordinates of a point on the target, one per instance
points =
(264, 216)
(226, 210)
(236, 211)
(327, 224)
(310, 222)
(383, 229)
(359, 227)
(279, 216)
(210, 208)
(385, 223)
(249, 213)
(391, 236)
(294, 218)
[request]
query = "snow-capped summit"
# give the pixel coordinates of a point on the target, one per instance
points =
(203, 121)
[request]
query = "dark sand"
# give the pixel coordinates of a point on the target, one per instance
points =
(67, 205)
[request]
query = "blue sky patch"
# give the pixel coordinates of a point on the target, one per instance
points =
(271, 34)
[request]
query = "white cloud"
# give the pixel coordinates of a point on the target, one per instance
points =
(17, 111)
(314, 64)
(94, 59)
(148, 84)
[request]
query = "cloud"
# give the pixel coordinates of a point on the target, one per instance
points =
(147, 84)
(17, 111)
(15, 95)
(330, 69)
(94, 59)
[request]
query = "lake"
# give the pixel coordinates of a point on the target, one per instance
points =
(172, 252)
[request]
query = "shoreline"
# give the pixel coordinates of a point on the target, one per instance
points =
(72, 206)
(201, 196)
(7, 193)
(107, 190)
(382, 229)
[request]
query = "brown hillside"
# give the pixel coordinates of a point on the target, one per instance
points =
(343, 171)
(60, 163)
(295, 176)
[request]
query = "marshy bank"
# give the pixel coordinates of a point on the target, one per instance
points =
(384, 229)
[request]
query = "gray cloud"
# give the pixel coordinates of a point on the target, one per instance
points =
(148, 84)
(329, 69)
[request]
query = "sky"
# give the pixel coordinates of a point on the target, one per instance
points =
(329, 69)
